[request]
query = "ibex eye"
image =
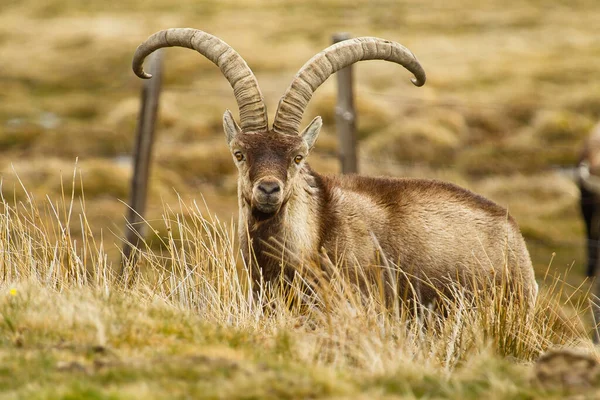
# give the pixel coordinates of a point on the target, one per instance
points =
(297, 159)
(238, 156)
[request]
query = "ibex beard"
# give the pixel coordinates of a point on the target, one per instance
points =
(435, 234)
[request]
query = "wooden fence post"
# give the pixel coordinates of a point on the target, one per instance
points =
(345, 116)
(144, 141)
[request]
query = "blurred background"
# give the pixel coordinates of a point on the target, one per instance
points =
(513, 89)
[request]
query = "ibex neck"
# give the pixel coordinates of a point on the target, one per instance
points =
(293, 230)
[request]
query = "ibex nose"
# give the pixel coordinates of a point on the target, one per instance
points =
(269, 187)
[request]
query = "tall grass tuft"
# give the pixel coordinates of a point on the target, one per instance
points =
(321, 318)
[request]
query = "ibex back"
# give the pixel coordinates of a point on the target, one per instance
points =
(434, 232)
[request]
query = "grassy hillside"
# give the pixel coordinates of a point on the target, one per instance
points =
(513, 88)
(189, 328)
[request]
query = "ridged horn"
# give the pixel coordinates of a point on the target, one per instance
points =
(253, 112)
(340, 55)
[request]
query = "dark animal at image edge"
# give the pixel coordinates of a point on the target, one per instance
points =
(436, 232)
(588, 180)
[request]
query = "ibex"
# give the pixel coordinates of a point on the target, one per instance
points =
(432, 231)
(588, 180)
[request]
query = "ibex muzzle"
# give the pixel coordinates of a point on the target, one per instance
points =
(433, 233)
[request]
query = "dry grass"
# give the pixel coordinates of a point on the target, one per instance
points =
(70, 329)
(512, 88)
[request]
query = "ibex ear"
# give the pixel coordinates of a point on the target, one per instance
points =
(230, 127)
(312, 131)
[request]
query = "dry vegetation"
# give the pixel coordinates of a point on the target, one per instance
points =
(190, 328)
(512, 90)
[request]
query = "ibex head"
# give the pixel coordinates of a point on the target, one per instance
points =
(268, 163)
(269, 160)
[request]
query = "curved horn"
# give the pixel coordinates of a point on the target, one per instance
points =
(332, 59)
(253, 112)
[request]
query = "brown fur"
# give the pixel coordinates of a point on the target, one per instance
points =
(434, 231)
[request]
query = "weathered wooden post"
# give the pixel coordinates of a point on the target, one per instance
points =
(144, 141)
(345, 115)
